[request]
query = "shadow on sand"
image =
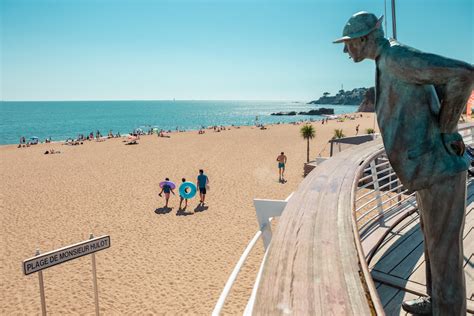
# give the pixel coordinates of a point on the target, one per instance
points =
(182, 212)
(200, 208)
(163, 210)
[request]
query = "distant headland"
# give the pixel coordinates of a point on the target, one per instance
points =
(364, 97)
(321, 111)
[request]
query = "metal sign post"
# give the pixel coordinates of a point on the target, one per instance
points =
(41, 285)
(94, 279)
(49, 259)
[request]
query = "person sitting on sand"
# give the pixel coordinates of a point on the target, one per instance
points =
(167, 190)
(52, 151)
(181, 198)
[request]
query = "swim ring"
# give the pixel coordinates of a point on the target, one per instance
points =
(170, 183)
(191, 190)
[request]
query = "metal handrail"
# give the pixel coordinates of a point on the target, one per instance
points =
(381, 204)
(230, 282)
(467, 131)
(372, 192)
(408, 200)
(373, 199)
(265, 215)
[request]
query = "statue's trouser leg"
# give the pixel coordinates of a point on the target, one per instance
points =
(442, 209)
(427, 255)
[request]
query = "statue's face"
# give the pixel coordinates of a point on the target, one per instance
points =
(356, 49)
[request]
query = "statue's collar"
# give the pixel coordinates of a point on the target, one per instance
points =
(382, 45)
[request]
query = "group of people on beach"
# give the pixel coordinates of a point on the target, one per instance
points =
(32, 141)
(202, 183)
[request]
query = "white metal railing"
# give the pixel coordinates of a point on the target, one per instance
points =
(266, 211)
(233, 275)
(377, 196)
(249, 308)
(379, 199)
(379, 192)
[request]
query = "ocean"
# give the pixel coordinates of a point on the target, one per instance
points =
(66, 119)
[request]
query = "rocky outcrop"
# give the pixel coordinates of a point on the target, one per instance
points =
(320, 111)
(284, 113)
(353, 97)
(368, 103)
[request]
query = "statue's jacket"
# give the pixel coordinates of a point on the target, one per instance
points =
(408, 108)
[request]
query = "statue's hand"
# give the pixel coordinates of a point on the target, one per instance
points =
(453, 143)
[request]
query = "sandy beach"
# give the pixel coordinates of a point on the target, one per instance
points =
(159, 261)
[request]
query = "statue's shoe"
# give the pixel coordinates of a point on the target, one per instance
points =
(419, 306)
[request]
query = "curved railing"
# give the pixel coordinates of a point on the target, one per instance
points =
(317, 260)
(381, 203)
(312, 266)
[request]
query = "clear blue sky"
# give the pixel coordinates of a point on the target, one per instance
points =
(222, 49)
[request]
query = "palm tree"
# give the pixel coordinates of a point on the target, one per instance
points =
(308, 132)
(338, 134)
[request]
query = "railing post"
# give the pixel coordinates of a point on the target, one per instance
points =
(375, 180)
(41, 286)
(266, 229)
(265, 210)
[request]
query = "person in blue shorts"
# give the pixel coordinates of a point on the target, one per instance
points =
(281, 166)
(166, 189)
(202, 182)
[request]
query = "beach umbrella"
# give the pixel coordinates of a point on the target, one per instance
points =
(170, 183)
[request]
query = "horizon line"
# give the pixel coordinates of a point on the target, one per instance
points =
(114, 100)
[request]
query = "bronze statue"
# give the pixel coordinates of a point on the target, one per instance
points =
(419, 100)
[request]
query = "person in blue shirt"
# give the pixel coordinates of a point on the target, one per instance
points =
(202, 182)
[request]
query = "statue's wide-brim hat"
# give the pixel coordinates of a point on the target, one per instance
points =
(360, 24)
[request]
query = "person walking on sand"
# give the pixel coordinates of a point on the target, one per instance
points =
(357, 129)
(281, 166)
(167, 190)
(181, 198)
(202, 182)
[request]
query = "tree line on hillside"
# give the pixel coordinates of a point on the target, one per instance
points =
(364, 97)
